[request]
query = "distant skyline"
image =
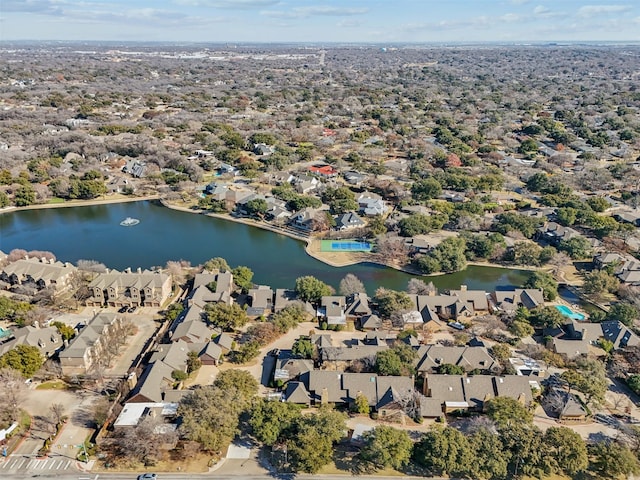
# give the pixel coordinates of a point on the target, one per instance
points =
(342, 21)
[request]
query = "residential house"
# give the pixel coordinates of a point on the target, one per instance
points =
(347, 221)
(305, 184)
(40, 273)
(296, 392)
(304, 219)
(326, 171)
(192, 331)
(133, 413)
(354, 178)
(371, 203)
(370, 322)
(554, 233)
(431, 357)
(260, 301)
(388, 395)
(457, 392)
(135, 168)
(357, 306)
(510, 300)
(89, 347)
(225, 341)
(287, 369)
(340, 358)
(118, 289)
(332, 310)
(214, 286)
(119, 184)
(263, 149)
(47, 339)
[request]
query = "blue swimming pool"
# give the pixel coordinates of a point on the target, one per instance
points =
(4, 333)
(567, 312)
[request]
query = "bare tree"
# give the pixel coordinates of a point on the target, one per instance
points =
(12, 392)
(351, 284)
(57, 413)
(420, 287)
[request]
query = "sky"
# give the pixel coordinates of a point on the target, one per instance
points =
(324, 21)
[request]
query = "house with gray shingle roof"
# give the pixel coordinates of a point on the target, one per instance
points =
(47, 339)
(40, 273)
(297, 393)
(118, 289)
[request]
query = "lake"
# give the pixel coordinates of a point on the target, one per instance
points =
(94, 233)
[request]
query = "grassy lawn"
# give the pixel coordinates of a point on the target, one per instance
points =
(56, 200)
(53, 385)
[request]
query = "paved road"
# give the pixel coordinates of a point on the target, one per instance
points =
(24, 465)
(186, 476)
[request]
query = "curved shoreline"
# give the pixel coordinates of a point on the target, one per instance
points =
(79, 203)
(310, 242)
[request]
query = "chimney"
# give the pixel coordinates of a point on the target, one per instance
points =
(139, 270)
(463, 288)
(324, 396)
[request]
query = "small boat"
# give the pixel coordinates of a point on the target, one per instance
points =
(129, 222)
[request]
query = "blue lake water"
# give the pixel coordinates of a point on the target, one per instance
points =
(94, 233)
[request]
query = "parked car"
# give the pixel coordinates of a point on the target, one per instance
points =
(148, 476)
(123, 309)
(132, 309)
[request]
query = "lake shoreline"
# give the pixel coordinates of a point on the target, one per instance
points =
(312, 245)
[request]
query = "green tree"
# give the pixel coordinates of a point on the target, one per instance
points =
(490, 459)
(179, 375)
(210, 416)
(576, 247)
(173, 311)
(634, 383)
(613, 459)
(521, 329)
(509, 221)
(242, 277)
(217, 263)
(450, 369)
(523, 445)
(361, 404)
(547, 317)
(398, 360)
(270, 419)
(310, 289)
(545, 282)
(444, 451)
(599, 283)
(227, 317)
(193, 362)
(4, 199)
(507, 411)
(391, 301)
(312, 437)
(426, 189)
(340, 200)
(256, 207)
(386, 447)
(240, 380)
(64, 330)
(450, 254)
(23, 358)
(623, 312)
(567, 449)
(302, 348)
(567, 216)
(25, 195)
(501, 351)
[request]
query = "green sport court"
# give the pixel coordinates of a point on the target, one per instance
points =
(344, 246)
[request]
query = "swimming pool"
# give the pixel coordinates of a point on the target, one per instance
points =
(567, 312)
(4, 333)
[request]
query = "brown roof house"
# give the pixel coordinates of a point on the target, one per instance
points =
(48, 340)
(41, 273)
(89, 348)
(116, 289)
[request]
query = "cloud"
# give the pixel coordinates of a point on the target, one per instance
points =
(541, 11)
(510, 18)
(593, 10)
(229, 4)
(45, 7)
(314, 11)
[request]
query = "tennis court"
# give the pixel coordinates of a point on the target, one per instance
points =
(344, 246)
